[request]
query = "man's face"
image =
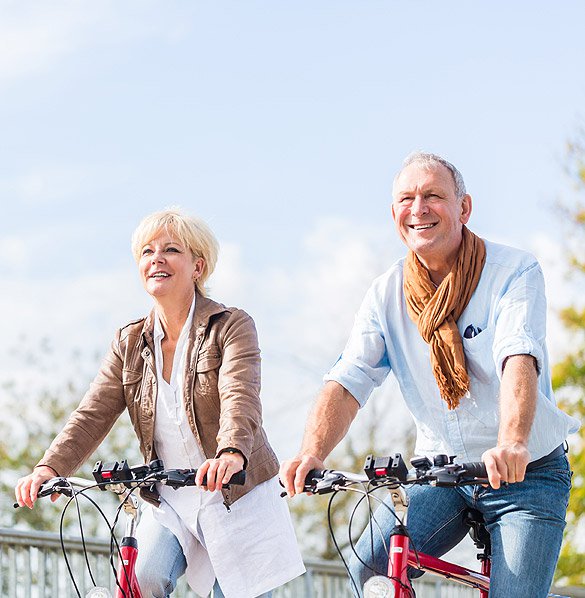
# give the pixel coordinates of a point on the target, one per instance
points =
(428, 215)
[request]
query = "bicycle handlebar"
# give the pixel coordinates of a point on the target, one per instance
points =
(146, 475)
(443, 471)
(113, 473)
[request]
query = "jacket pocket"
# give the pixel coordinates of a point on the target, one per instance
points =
(207, 371)
(206, 399)
(132, 382)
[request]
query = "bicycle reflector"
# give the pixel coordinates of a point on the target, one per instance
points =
(378, 587)
(386, 467)
(111, 473)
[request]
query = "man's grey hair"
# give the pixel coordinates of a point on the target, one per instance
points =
(427, 160)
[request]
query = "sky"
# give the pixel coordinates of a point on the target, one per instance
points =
(282, 125)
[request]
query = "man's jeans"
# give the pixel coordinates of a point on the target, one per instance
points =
(525, 522)
(161, 562)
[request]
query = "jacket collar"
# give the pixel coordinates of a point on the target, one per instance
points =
(205, 308)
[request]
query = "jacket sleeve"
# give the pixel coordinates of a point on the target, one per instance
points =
(239, 385)
(89, 424)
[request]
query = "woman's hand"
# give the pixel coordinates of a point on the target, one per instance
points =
(27, 488)
(219, 471)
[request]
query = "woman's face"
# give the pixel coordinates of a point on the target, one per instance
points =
(168, 268)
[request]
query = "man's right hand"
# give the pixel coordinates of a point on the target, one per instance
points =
(294, 471)
(27, 488)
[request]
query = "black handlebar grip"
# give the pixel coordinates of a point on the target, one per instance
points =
(474, 470)
(239, 478)
(314, 476)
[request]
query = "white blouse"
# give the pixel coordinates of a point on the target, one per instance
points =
(252, 548)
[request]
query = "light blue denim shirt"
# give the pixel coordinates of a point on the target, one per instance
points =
(507, 314)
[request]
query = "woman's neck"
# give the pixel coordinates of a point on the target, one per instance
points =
(173, 315)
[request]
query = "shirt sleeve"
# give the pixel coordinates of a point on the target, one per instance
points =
(521, 319)
(364, 363)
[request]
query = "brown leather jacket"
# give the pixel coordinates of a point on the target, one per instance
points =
(222, 395)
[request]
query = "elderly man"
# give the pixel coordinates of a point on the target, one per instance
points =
(461, 323)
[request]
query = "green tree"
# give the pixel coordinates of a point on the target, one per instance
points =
(569, 380)
(37, 401)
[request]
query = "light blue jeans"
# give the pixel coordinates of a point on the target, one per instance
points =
(525, 521)
(161, 562)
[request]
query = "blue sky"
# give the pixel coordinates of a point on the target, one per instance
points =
(281, 124)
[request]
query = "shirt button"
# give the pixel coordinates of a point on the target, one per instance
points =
(149, 412)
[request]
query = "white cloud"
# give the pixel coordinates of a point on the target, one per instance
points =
(35, 35)
(47, 185)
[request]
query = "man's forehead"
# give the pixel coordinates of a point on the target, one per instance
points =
(416, 175)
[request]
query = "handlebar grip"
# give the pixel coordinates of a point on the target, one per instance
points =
(311, 479)
(239, 478)
(475, 469)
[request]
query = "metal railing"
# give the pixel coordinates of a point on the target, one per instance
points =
(32, 566)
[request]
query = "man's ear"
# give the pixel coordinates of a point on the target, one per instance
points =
(466, 206)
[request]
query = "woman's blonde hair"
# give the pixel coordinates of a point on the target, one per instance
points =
(192, 232)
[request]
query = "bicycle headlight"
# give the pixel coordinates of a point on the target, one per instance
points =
(98, 593)
(378, 587)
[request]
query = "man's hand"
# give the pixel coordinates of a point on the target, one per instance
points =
(506, 463)
(294, 471)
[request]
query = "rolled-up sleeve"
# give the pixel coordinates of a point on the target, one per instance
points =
(521, 319)
(364, 363)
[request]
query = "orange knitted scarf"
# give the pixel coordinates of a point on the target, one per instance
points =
(435, 311)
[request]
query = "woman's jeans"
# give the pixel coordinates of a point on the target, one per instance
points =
(525, 521)
(161, 562)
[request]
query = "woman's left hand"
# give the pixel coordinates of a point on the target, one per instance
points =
(219, 471)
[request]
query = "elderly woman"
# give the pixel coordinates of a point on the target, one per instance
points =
(189, 375)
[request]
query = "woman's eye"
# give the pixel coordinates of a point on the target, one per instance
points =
(146, 251)
(173, 249)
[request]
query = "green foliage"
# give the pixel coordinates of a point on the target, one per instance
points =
(569, 383)
(33, 418)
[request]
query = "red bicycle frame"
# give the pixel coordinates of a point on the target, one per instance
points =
(401, 556)
(127, 586)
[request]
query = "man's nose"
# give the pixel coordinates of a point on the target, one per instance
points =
(419, 206)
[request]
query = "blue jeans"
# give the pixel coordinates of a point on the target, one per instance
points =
(161, 562)
(525, 521)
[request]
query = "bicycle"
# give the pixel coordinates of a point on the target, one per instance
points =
(392, 473)
(123, 480)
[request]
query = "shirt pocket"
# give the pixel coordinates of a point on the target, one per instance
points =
(479, 359)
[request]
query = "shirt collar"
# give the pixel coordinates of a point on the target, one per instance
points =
(158, 331)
